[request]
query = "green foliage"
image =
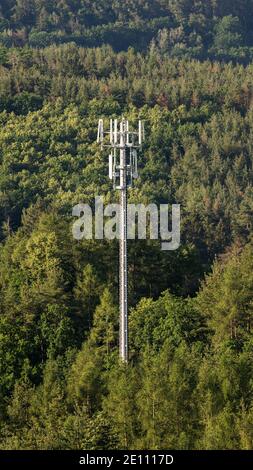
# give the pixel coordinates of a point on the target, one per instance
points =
(227, 33)
(169, 320)
(120, 406)
(189, 381)
(177, 27)
(226, 297)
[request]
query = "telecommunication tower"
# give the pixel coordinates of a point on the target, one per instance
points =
(123, 169)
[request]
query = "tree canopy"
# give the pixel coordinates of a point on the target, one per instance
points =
(188, 74)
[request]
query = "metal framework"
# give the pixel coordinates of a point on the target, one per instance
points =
(123, 169)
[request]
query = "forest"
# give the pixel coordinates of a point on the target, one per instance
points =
(201, 29)
(189, 382)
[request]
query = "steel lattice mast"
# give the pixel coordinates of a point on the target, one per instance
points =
(123, 168)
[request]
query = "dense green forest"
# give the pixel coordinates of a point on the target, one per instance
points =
(192, 28)
(189, 384)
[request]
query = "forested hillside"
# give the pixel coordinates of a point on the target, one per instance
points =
(189, 384)
(192, 28)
